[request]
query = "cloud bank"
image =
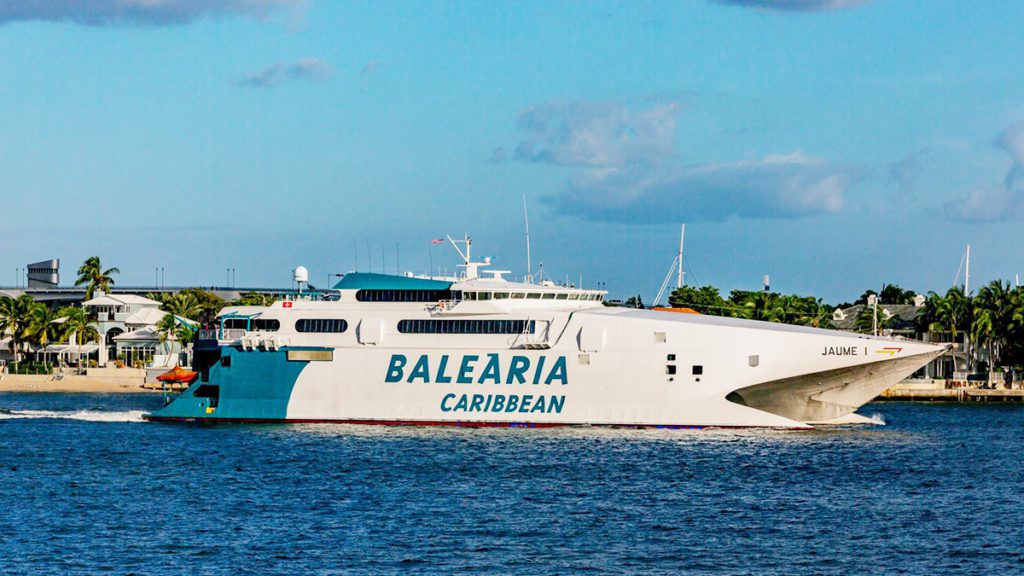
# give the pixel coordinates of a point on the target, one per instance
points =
(781, 186)
(626, 168)
(597, 134)
(904, 174)
(795, 5)
(1001, 202)
(142, 12)
(305, 69)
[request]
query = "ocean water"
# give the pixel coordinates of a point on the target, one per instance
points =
(88, 488)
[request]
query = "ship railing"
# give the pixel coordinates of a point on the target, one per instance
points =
(442, 306)
(225, 334)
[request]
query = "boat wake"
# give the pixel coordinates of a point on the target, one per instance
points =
(86, 415)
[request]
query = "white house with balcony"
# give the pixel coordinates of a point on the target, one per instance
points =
(128, 328)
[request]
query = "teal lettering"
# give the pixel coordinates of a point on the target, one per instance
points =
(443, 378)
(513, 403)
(520, 364)
(540, 368)
(478, 399)
(499, 403)
(462, 404)
(421, 370)
(444, 402)
(557, 372)
(466, 370)
(525, 405)
(539, 406)
(487, 406)
(492, 371)
(556, 404)
(395, 372)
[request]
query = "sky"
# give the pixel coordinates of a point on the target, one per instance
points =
(834, 145)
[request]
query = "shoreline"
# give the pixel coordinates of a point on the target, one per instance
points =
(71, 384)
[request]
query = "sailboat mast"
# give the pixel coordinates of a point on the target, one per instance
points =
(967, 275)
(682, 238)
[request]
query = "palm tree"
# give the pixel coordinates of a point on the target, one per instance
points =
(765, 306)
(92, 275)
(994, 320)
(866, 320)
(41, 325)
(75, 321)
(258, 299)
(815, 313)
(15, 318)
(950, 313)
(178, 306)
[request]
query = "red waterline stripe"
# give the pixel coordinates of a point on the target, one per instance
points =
(458, 424)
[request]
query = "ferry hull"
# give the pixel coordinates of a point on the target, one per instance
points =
(519, 388)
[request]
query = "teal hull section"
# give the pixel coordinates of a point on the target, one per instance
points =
(250, 385)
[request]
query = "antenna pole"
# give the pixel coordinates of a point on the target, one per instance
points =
(529, 265)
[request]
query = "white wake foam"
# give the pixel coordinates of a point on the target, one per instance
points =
(87, 415)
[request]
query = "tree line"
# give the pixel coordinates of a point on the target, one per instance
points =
(30, 322)
(993, 318)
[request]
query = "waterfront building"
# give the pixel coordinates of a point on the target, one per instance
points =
(45, 274)
(127, 324)
(905, 321)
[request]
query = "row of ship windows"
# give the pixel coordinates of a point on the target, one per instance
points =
(465, 326)
(530, 296)
(337, 326)
(438, 295)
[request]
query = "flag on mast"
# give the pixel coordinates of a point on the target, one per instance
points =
(437, 241)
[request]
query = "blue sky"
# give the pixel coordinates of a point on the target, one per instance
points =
(833, 144)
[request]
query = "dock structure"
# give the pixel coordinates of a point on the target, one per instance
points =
(943, 391)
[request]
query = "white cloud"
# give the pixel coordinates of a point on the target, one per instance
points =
(780, 186)
(597, 134)
(305, 69)
(144, 12)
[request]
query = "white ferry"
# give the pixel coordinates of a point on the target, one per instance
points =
(486, 351)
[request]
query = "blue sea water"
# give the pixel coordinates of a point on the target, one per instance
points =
(87, 488)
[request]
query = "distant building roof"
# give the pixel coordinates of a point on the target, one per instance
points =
(140, 335)
(145, 317)
(369, 281)
(121, 300)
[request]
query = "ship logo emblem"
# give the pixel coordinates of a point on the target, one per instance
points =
(891, 351)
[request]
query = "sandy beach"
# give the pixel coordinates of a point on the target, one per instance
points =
(81, 384)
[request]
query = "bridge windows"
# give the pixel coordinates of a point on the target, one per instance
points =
(466, 326)
(321, 325)
(258, 324)
(406, 295)
(266, 325)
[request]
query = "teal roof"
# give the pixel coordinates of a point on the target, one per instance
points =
(368, 281)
